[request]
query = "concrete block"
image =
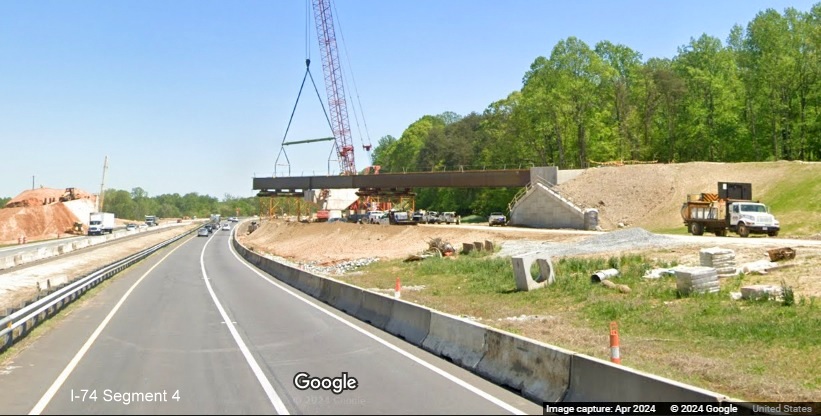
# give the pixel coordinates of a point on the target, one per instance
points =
(460, 340)
(6, 262)
(309, 283)
(539, 371)
(595, 380)
(376, 309)
(467, 247)
(478, 246)
(342, 296)
(756, 292)
(488, 246)
(409, 322)
(521, 270)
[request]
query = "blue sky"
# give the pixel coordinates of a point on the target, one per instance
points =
(195, 96)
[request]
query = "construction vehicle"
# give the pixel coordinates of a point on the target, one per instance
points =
(100, 223)
(731, 209)
(68, 195)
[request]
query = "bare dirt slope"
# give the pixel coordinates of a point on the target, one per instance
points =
(650, 196)
(39, 214)
(336, 242)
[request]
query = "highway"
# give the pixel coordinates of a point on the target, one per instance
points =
(194, 329)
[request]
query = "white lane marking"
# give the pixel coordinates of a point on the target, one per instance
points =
(279, 406)
(408, 355)
(44, 401)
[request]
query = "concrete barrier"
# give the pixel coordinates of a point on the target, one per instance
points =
(541, 372)
(342, 296)
(461, 341)
(23, 258)
(6, 262)
(309, 283)
(375, 309)
(595, 380)
(409, 321)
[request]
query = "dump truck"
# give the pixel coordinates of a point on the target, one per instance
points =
(100, 223)
(731, 209)
(151, 220)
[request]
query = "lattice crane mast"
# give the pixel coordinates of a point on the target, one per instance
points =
(334, 86)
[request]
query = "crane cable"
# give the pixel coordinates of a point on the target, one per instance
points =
(356, 90)
(318, 96)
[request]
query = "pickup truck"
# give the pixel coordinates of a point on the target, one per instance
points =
(496, 218)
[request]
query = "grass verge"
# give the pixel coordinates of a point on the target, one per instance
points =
(753, 350)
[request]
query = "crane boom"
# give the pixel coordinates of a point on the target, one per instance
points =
(334, 86)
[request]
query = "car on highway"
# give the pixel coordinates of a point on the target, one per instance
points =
(130, 227)
(226, 227)
(203, 232)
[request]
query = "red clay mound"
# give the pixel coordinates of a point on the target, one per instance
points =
(45, 196)
(39, 214)
(35, 223)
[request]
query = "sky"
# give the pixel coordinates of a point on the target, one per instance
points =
(196, 95)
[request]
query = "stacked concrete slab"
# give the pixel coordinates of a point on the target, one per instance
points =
(721, 259)
(697, 279)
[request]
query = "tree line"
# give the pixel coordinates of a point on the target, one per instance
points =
(755, 97)
(136, 204)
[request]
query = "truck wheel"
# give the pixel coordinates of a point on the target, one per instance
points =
(721, 233)
(697, 228)
(773, 234)
(742, 230)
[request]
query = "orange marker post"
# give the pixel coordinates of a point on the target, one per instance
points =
(615, 357)
(396, 292)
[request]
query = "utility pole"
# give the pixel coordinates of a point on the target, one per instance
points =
(102, 187)
(32, 182)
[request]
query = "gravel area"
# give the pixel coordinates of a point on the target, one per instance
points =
(625, 239)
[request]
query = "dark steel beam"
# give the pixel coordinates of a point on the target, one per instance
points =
(468, 179)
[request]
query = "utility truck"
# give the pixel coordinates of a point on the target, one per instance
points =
(731, 209)
(100, 222)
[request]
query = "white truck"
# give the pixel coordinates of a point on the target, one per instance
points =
(731, 209)
(100, 222)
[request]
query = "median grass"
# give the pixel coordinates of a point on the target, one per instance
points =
(753, 350)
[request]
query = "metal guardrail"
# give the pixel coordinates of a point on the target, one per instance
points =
(20, 322)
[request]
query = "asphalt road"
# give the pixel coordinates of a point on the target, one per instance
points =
(196, 330)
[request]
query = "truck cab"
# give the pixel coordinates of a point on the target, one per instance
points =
(747, 218)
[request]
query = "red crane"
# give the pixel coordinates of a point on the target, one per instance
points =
(334, 86)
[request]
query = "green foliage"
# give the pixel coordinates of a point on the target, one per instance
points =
(135, 205)
(787, 295)
(755, 98)
(4, 201)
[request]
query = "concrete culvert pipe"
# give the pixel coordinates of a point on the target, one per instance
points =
(603, 275)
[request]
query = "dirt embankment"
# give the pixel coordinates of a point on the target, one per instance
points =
(335, 242)
(650, 196)
(43, 213)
